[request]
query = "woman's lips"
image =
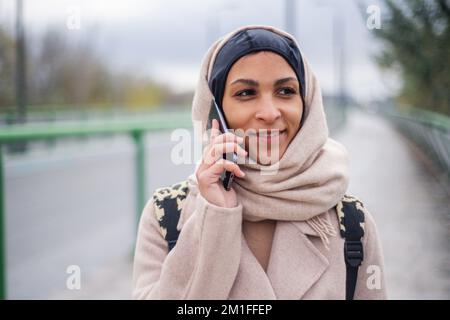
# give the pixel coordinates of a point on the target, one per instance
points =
(268, 134)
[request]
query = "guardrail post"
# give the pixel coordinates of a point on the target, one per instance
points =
(138, 137)
(2, 232)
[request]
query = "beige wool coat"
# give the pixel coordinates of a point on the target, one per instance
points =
(212, 260)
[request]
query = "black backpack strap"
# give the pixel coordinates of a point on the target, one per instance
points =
(168, 203)
(350, 213)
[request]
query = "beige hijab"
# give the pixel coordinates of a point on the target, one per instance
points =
(312, 175)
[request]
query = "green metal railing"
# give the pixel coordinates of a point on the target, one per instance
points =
(429, 130)
(135, 127)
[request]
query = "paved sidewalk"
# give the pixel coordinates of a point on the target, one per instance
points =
(410, 207)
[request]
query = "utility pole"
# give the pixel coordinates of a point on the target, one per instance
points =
(21, 83)
(340, 62)
(290, 16)
(339, 46)
(339, 56)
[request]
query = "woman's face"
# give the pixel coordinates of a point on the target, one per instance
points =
(262, 100)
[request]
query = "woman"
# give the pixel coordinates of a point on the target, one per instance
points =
(274, 234)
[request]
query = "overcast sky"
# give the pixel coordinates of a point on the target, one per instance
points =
(167, 39)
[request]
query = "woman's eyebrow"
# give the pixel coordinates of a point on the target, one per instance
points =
(283, 80)
(249, 82)
(254, 83)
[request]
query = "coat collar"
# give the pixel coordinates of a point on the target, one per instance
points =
(295, 265)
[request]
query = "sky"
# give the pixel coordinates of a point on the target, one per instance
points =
(167, 39)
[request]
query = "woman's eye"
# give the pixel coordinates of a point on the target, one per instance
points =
(245, 93)
(287, 91)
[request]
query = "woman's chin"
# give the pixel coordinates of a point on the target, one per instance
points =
(265, 154)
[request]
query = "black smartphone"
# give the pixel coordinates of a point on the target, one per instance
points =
(215, 113)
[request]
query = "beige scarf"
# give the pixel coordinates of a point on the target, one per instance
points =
(312, 175)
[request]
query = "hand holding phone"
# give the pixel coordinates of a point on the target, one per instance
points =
(216, 113)
(215, 173)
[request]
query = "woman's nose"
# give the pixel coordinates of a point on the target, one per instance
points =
(268, 111)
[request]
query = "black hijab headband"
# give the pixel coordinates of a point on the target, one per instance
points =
(253, 40)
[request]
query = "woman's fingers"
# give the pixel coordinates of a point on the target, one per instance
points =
(213, 165)
(221, 143)
(227, 137)
(215, 130)
(216, 151)
(225, 165)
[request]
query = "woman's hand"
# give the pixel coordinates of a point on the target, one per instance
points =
(213, 164)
